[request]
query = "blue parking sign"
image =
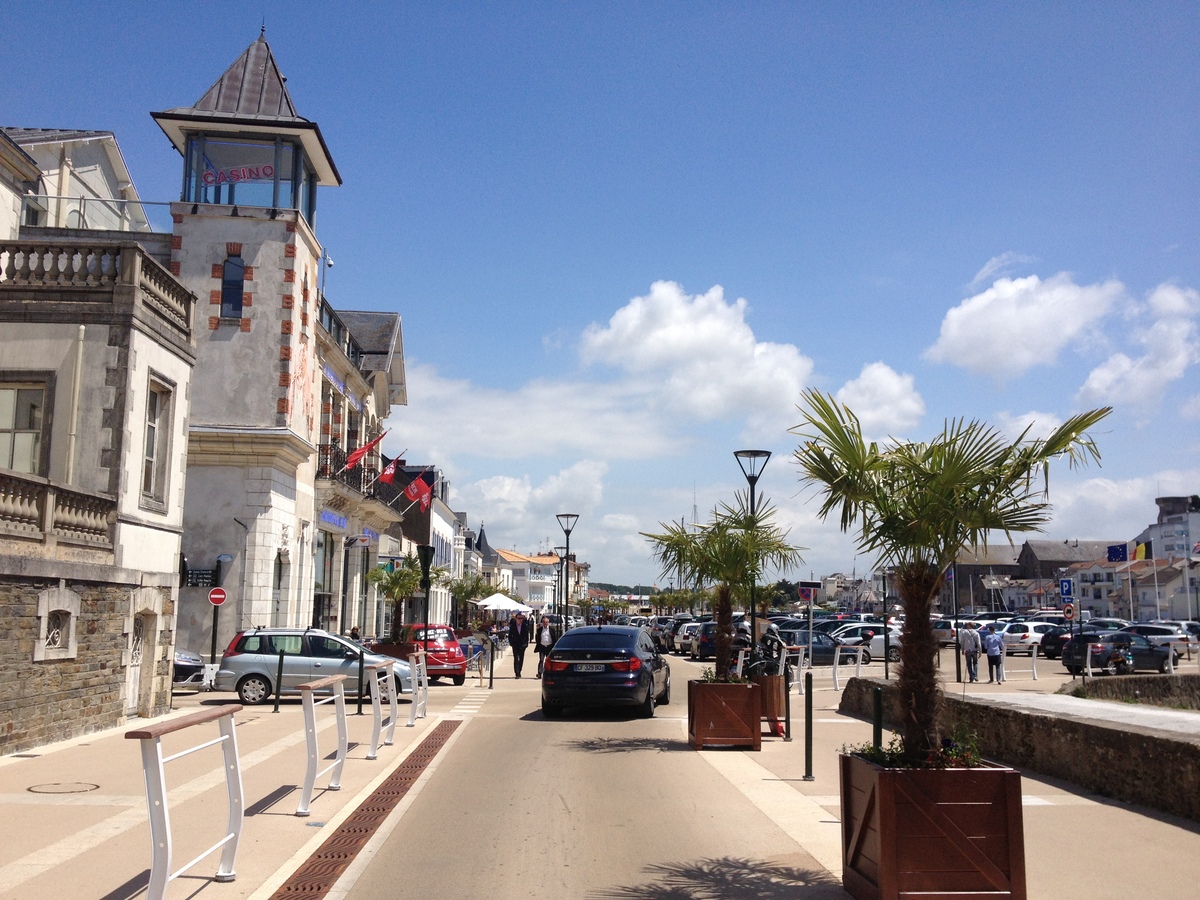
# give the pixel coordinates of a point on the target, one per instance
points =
(1066, 587)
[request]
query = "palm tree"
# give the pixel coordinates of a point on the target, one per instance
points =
(918, 505)
(398, 583)
(464, 590)
(731, 551)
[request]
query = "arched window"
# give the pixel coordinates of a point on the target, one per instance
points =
(233, 283)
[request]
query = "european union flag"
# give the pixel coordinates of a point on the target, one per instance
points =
(1118, 553)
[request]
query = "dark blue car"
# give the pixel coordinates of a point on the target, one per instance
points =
(605, 665)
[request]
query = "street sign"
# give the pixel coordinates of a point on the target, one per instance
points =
(1068, 611)
(1066, 587)
(216, 596)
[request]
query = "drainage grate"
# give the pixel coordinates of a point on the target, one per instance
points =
(316, 876)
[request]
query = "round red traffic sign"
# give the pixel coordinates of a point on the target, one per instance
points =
(216, 596)
(1068, 611)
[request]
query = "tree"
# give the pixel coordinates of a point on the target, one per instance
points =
(397, 583)
(918, 505)
(463, 591)
(730, 551)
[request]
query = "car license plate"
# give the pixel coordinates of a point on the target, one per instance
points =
(589, 667)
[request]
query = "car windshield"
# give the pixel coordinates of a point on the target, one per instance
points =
(594, 640)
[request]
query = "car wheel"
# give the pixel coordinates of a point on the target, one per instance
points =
(893, 654)
(866, 658)
(551, 712)
(434, 678)
(646, 710)
(1074, 670)
(1112, 667)
(1162, 666)
(253, 689)
(459, 680)
(399, 686)
(665, 697)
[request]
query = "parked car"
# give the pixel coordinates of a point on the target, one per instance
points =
(1159, 634)
(1114, 653)
(704, 641)
(1192, 628)
(443, 655)
(1054, 639)
(683, 637)
(823, 646)
(187, 669)
(605, 665)
(1023, 637)
(871, 634)
(660, 629)
(673, 634)
(946, 630)
(1107, 624)
(251, 662)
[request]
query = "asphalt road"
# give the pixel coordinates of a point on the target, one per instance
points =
(593, 805)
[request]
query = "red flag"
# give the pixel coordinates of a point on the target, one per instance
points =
(419, 490)
(388, 475)
(356, 457)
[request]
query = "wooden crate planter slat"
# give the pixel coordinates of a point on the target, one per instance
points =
(954, 834)
(724, 715)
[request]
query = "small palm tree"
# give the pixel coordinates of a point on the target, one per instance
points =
(463, 591)
(918, 505)
(731, 551)
(397, 584)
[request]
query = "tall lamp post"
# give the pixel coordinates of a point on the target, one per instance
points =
(752, 463)
(425, 557)
(560, 586)
(567, 522)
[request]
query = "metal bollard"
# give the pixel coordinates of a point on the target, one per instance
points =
(278, 681)
(877, 718)
(808, 728)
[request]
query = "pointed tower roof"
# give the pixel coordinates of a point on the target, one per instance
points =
(250, 98)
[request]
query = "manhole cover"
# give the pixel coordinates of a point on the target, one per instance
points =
(65, 787)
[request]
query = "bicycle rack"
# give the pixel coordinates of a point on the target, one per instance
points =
(381, 680)
(333, 682)
(420, 676)
(156, 795)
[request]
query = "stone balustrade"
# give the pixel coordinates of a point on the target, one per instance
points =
(68, 268)
(35, 507)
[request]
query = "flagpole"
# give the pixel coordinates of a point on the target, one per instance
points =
(377, 477)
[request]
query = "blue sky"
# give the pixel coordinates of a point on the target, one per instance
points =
(623, 237)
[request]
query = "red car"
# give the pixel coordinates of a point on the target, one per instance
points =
(444, 655)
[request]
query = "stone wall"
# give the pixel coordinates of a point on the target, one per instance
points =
(1150, 768)
(63, 695)
(1174, 691)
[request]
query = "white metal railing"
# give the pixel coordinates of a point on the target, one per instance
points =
(1170, 645)
(382, 680)
(857, 652)
(156, 795)
(98, 213)
(311, 774)
(1033, 658)
(420, 682)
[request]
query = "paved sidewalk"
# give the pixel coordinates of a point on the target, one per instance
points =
(73, 819)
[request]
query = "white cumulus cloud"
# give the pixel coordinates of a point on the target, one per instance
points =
(885, 401)
(1168, 345)
(696, 356)
(1017, 324)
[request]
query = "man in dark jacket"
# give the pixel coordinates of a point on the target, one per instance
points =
(518, 640)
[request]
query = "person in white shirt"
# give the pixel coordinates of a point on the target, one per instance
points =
(543, 642)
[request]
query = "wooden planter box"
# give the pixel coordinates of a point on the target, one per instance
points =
(956, 834)
(724, 715)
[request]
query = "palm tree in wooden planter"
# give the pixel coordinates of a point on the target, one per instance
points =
(916, 506)
(731, 551)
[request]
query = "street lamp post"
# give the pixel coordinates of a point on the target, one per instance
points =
(560, 586)
(567, 522)
(752, 463)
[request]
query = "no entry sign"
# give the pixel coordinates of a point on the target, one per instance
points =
(216, 596)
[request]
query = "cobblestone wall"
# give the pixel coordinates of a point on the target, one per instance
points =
(54, 699)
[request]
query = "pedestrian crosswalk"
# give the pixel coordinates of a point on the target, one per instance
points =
(469, 705)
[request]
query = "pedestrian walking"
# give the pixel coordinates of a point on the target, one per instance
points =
(968, 639)
(543, 642)
(993, 646)
(518, 640)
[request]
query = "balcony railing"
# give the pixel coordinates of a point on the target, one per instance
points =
(96, 214)
(363, 478)
(35, 507)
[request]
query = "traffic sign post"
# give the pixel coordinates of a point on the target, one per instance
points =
(1066, 587)
(216, 597)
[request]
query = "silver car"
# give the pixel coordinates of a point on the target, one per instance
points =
(250, 665)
